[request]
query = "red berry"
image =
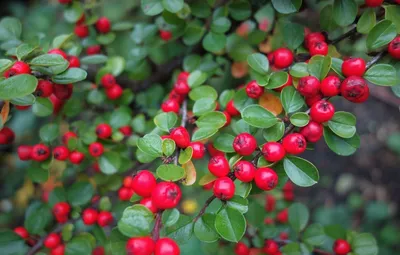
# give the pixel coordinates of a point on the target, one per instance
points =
(76, 157)
(231, 109)
(24, 152)
(105, 218)
(271, 247)
(57, 103)
(44, 88)
(312, 100)
(108, 80)
(288, 196)
(74, 61)
(165, 35)
(224, 188)
(103, 131)
(183, 76)
(89, 216)
(67, 136)
(143, 183)
(219, 166)
(270, 203)
(140, 246)
(354, 89)
(22, 107)
(241, 249)
(127, 182)
(81, 30)
(309, 86)
(313, 131)
(61, 152)
(283, 236)
(253, 90)
(60, 249)
(213, 151)
(170, 105)
(312, 38)
(22, 232)
(114, 92)
(96, 149)
(98, 251)
(208, 186)
(244, 171)
(288, 83)
(283, 216)
(319, 48)
(322, 111)
(93, 49)
(173, 95)
(394, 47)
(166, 195)
(294, 143)
(244, 144)
(228, 118)
(269, 221)
(64, 1)
(266, 178)
(19, 67)
(126, 130)
(283, 58)
(341, 247)
(148, 202)
(58, 52)
(81, 19)
(181, 87)
(353, 66)
(52, 241)
(330, 86)
(61, 209)
(103, 25)
(373, 3)
(273, 151)
(125, 193)
(166, 246)
(40, 152)
(7, 135)
(199, 150)
(63, 91)
(181, 137)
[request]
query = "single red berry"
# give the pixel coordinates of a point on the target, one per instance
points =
(148, 202)
(283, 235)
(99, 250)
(270, 57)
(319, 48)
(242, 249)
(140, 246)
(40, 152)
(63, 91)
(224, 188)
(231, 109)
(288, 83)
(322, 111)
(354, 89)
(208, 186)
(103, 25)
(64, 1)
(283, 58)
(125, 193)
(183, 76)
(266, 178)
(24, 152)
(93, 49)
(312, 100)
(73, 61)
(294, 143)
(103, 131)
(166, 195)
(22, 107)
(173, 95)
(170, 105)
(67, 136)
(373, 3)
(330, 86)
(313, 131)
(89, 216)
(181, 87)
(7, 135)
(309, 86)
(81, 19)
(244, 144)
(105, 218)
(61, 152)
(288, 196)
(108, 80)
(394, 47)
(273, 151)
(166, 246)
(60, 249)
(57, 104)
(181, 137)
(126, 130)
(76, 157)
(253, 90)
(96, 149)
(19, 67)
(22, 232)
(52, 241)
(127, 182)
(283, 216)
(271, 247)
(61, 209)
(270, 203)
(44, 88)
(268, 221)
(213, 151)
(199, 150)
(219, 166)
(165, 35)
(228, 118)
(312, 38)
(58, 52)
(114, 92)
(288, 187)
(144, 183)
(244, 171)
(341, 247)
(81, 30)
(353, 66)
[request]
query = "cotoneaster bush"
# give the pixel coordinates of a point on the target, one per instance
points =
(168, 105)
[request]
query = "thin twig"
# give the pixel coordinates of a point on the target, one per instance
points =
(203, 209)
(157, 226)
(349, 33)
(375, 59)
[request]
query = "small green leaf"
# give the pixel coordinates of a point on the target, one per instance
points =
(364, 244)
(80, 193)
(214, 42)
(382, 75)
(185, 155)
(291, 99)
(239, 203)
(37, 219)
(196, 78)
(24, 50)
(258, 62)
(152, 7)
(381, 34)
(240, 10)
(300, 171)
(72, 75)
(49, 132)
(42, 107)
(274, 133)
(287, 6)
(94, 59)
(392, 13)
(204, 228)
(203, 133)
(151, 144)
(110, 162)
(343, 124)
(298, 216)
(220, 25)
(181, 231)
(277, 80)
(258, 116)
(211, 120)
(136, 221)
(173, 5)
(319, 66)
(170, 217)
(17, 86)
(168, 147)
(204, 91)
(314, 235)
(293, 34)
(57, 195)
(230, 224)
(224, 142)
(241, 100)
(165, 121)
(10, 28)
(367, 21)
(299, 70)
(344, 12)
(300, 119)
(59, 41)
(24, 101)
(203, 106)
(170, 172)
(73, 12)
(326, 18)
(337, 66)
(37, 174)
(341, 146)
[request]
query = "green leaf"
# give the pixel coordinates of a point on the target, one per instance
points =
(136, 221)
(12, 244)
(277, 80)
(382, 75)
(25, 100)
(211, 120)
(364, 244)
(314, 235)
(319, 66)
(287, 6)
(151, 144)
(381, 34)
(73, 12)
(258, 116)
(291, 99)
(367, 21)
(196, 78)
(292, 249)
(185, 155)
(152, 7)
(193, 33)
(17, 86)
(299, 70)
(204, 91)
(191, 62)
(59, 41)
(203, 133)
(38, 219)
(37, 174)
(181, 231)
(168, 147)
(258, 62)
(300, 119)
(214, 42)
(341, 146)
(239, 203)
(42, 107)
(293, 34)
(220, 25)
(170, 172)
(170, 217)
(241, 100)
(343, 124)
(57, 195)
(24, 50)
(165, 121)
(337, 66)
(47, 60)
(344, 12)
(94, 59)
(116, 65)
(230, 224)
(173, 5)
(240, 10)
(224, 142)
(243, 189)
(10, 28)
(204, 228)
(106, 39)
(120, 117)
(335, 231)
(203, 106)
(80, 245)
(49, 132)
(110, 162)
(298, 216)
(72, 75)
(5, 64)
(300, 171)
(392, 13)
(326, 18)
(117, 242)
(274, 133)
(122, 25)
(80, 193)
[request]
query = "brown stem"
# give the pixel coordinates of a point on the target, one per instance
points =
(375, 59)
(157, 227)
(203, 209)
(349, 33)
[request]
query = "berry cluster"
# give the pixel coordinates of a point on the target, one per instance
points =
(113, 90)
(177, 95)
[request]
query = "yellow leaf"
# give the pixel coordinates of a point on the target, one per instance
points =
(206, 179)
(4, 111)
(191, 174)
(271, 102)
(239, 69)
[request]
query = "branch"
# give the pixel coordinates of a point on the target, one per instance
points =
(203, 209)
(157, 227)
(375, 59)
(349, 33)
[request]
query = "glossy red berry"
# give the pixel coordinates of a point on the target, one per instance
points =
(103, 131)
(170, 105)
(322, 111)
(353, 66)
(61, 152)
(125, 193)
(312, 38)
(61, 210)
(96, 149)
(7, 135)
(166, 195)
(22, 107)
(105, 218)
(173, 95)
(52, 241)
(313, 131)
(253, 90)
(294, 143)
(181, 137)
(89, 216)
(81, 30)
(266, 178)
(148, 202)
(244, 171)
(213, 151)
(143, 183)
(166, 246)
(44, 88)
(76, 157)
(330, 86)
(341, 247)
(126, 130)
(283, 216)
(244, 144)
(270, 203)
(108, 80)
(64, 1)
(67, 136)
(373, 3)
(181, 87)
(208, 186)
(165, 35)
(93, 49)
(241, 249)
(224, 188)
(63, 91)
(114, 92)
(59, 250)
(288, 83)
(22, 232)
(231, 109)
(228, 118)
(40, 152)
(24, 152)
(354, 89)
(312, 100)
(219, 166)
(73, 61)
(283, 58)
(319, 48)
(58, 52)
(127, 182)
(99, 250)
(273, 151)
(140, 246)
(57, 104)
(199, 150)
(19, 67)
(271, 247)
(394, 48)
(309, 86)
(103, 25)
